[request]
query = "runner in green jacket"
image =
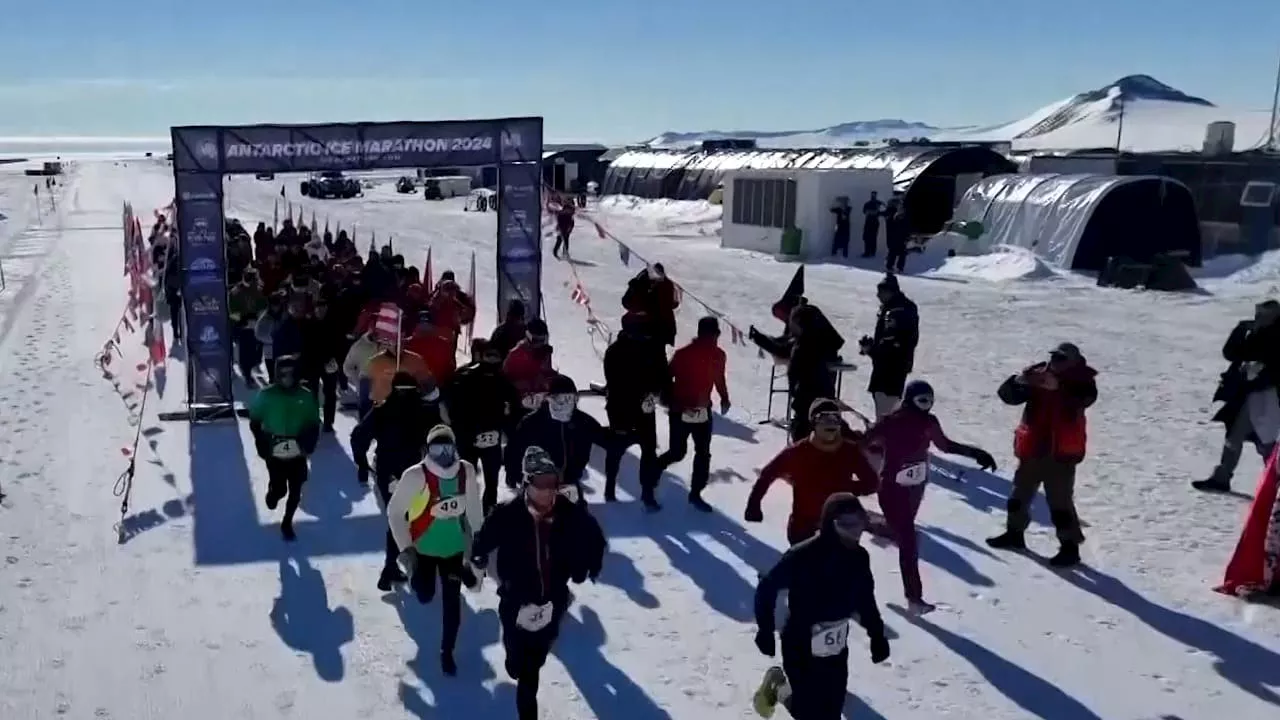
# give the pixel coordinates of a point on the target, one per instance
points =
(285, 420)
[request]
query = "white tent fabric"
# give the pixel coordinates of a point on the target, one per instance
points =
(1043, 213)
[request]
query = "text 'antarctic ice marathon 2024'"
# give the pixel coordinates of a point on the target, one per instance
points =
(203, 155)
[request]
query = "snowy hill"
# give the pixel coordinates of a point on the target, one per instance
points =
(844, 134)
(1157, 117)
(199, 610)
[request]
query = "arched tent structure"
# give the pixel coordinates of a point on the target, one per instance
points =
(926, 174)
(1077, 222)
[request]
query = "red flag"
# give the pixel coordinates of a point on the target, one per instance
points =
(1247, 572)
(471, 292)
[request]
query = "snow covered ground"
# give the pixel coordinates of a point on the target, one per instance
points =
(204, 612)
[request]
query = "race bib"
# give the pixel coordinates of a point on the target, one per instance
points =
(534, 617)
(829, 639)
(532, 400)
(486, 440)
(331, 367)
(286, 449)
(235, 317)
(695, 417)
(1252, 370)
(649, 404)
(448, 508)
(570, 492)
(913, 474)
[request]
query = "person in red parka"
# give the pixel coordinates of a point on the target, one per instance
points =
(817, 467)
(451, 308)
(435, 345)
(696, 369)
(528, 367)
(1049, 443)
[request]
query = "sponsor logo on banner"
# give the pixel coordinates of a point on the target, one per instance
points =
(203, 265)
(209, 196)
(207, 149)
(349, 148)
(210, 382)
(200, 234)
(206, 305)
(519, 253)
(209, 335)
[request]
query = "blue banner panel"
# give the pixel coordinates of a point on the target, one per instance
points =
(204, 288)
(520, 236)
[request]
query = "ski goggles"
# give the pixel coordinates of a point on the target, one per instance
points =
(538, 340)
(827, 419)
(442, 454)
(850, 523)
(923, 402)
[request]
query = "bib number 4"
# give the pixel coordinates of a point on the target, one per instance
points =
(913, 474)
(829, 639)
(286, 449)
(533, 618)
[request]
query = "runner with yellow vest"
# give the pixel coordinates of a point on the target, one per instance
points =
(434, 510)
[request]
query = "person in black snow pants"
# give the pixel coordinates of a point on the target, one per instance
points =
(897, 234)
(810, 346)
(564, 228)
(1250, 392)
(400, 426)
(892, 348)
(481, 402)
(325, 342)
(872, 209)
(636, 377)
(542, 541)
(563, 431)
(828, 581)
(840, 241)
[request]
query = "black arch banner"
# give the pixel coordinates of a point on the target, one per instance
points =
(203, 155)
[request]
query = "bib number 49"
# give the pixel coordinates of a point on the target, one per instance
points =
(450, 507)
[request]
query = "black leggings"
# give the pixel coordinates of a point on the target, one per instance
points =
(285, 479)
(423, 582)
(526, 654)
(680, 432)
(644, 434)
(817, 684)
(488, 461)
(383, 482)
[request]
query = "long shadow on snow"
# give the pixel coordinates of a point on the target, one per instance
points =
(332, 491)
(301, 616)
(1032, 693)
(939, 555)
(725, 426)
(1244, 663)
(606, 689)
(226, 526)
(982, 490)
(723, 588)
(461, 696)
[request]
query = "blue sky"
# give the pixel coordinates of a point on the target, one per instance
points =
(607, 70)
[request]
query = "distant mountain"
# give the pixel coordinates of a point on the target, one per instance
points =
(1157, 117)
(844, 134)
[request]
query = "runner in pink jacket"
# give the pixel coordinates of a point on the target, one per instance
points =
(904, 437)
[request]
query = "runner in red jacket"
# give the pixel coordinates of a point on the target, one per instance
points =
(528, 367)
(817, 467)
(696, 369)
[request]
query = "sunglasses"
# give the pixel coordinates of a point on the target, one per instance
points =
(827, 420)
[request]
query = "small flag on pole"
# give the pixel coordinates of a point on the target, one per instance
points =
(428, 276)
(386, 324)
(624, 254)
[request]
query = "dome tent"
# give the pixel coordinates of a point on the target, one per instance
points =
(1077, 222)
(925, 174)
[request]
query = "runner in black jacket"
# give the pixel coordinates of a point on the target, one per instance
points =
(635, 376)
(542, 541)
(481, 401)
(400, 426)
(828, 579)
(564, 431)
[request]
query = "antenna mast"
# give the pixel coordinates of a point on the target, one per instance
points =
(1275, 109)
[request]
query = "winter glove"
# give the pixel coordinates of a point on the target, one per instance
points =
(984, 459)
(408, 561)
(725, 406)
(467, 576)
(362, 474)
(768, 644)
(879, 650)
(753, 514)
(864, 345)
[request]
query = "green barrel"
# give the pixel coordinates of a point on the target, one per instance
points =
(791, 241)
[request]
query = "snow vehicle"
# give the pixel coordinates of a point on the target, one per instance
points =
(404, 185)
(331, 184)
